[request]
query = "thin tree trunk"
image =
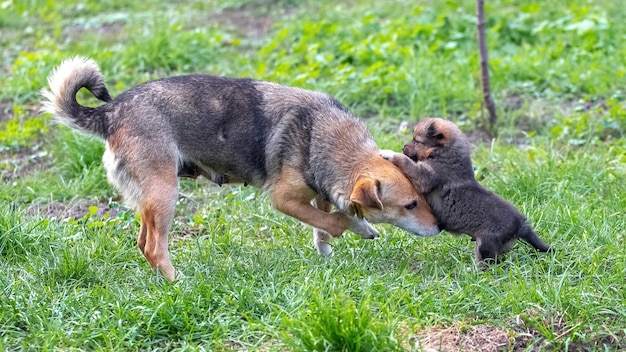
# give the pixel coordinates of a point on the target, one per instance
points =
(484, 63)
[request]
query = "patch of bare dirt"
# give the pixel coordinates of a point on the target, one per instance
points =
(252, 20)
(5, 111)
(29, 110)
(76, 209)
(108, 27)
(482, 337)
(14, 166)
(527, 327)
(523, 335)
(245, 22)
(113, 31)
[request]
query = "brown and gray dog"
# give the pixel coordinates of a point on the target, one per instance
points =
(304, 148)
(438, 162)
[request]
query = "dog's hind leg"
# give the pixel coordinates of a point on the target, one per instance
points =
(141, 238)
(156, 210)
(321, 238)
(146, 175)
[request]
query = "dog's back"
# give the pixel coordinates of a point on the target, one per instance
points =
(213, 122)
(243, 121)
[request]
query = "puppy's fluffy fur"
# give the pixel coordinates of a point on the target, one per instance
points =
(438, 163)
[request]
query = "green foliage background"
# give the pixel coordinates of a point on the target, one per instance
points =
(250, 279)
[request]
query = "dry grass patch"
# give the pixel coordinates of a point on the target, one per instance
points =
(460, 337)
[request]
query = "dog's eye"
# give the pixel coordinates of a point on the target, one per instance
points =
(411, 206)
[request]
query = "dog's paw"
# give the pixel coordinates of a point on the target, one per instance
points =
(387, 154)
(364, 228)
(321, 243)
(323, 248)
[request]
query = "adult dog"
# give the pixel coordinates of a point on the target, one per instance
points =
(304, 148)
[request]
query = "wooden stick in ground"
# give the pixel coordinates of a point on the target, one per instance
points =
(484, 63)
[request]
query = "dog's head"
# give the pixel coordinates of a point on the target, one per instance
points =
(386, 195)
(433, 136)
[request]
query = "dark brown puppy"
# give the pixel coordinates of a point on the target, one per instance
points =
(438, 163)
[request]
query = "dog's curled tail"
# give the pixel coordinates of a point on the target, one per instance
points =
(528, 235)
(72, 75)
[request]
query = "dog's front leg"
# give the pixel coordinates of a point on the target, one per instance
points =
(363, 228)
(321, 238)
(292, 196)
(334, 223)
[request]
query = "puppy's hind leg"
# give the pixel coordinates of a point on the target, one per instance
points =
(321, 238)
(484, 252)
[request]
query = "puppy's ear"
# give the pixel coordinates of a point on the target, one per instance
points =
(366, 194)
(434, 132)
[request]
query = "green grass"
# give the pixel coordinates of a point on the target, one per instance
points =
(249, 277)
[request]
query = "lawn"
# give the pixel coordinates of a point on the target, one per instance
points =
(72, 278)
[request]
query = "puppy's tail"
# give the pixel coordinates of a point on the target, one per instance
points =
(527, 234)
(72, 75)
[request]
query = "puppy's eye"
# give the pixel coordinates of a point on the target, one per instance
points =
(411, 206)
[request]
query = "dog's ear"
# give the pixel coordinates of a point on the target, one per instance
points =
(434, 132)
(366, 194)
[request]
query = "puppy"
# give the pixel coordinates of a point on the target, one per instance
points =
(304, 148)
(438, 163)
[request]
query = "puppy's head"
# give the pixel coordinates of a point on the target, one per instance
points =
(385, 195)
(432, 137)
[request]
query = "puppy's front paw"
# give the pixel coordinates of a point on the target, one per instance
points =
(387, 154)
(364, 228)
